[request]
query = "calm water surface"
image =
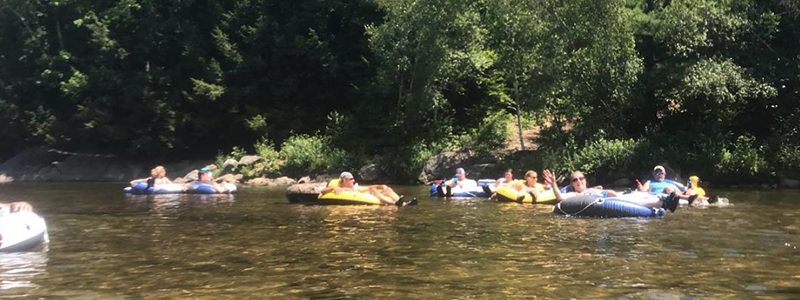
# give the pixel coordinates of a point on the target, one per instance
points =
(257, 245)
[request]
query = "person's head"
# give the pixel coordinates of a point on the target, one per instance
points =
(346, 180)
(461, 174)
(509, 175)
(659, 173)
(577, 181)
(153, 172)
(531, 177)
(160, 172)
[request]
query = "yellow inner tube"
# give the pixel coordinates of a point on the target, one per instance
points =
(509, 194)
(348, 197)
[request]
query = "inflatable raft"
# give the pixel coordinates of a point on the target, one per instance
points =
(592, 206)
(484, 189)
(459, 192)
(509, 194)
(348, 198)
(174, 188)
(21, 231)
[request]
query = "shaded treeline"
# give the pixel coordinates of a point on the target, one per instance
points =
(707, 86)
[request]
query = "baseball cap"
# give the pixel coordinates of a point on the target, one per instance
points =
(659, 168)
(460, 171)
(345, 175)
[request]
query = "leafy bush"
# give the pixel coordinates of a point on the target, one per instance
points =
(605, 159)
(305, 154)
(741, 161)
(789, 159)
(271, 163)
(490, 134)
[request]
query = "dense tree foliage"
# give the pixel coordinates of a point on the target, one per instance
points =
(707, 85)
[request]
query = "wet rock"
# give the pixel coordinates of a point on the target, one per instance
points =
(304, 192)
(304, 179)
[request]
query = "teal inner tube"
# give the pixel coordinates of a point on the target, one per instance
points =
(596, 207)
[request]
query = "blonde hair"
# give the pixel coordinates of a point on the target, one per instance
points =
(530, 173)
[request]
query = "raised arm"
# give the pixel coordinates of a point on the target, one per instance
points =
(551, 178)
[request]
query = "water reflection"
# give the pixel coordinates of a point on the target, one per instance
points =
(18, 271)
(171, 204)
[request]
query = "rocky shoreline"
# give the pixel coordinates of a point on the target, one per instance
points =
(41, 164)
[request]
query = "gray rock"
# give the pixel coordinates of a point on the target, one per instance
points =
(192, 176)
(26, 165)
(305, 192)
(443, 164)
(41, 164)
(232, 178)
(304, 179)
(249, 160)
(284, 181)
(325, 178)
(229, 165)
(370, 173)
(790, 183)
(259, 181)
(5, 179)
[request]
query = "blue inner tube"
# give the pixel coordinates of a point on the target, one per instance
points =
(476, 192)
(191, 188)
(591, 206)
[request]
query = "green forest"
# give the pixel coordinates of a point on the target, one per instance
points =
(709, 86)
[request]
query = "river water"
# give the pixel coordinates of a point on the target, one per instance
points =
(257, 245)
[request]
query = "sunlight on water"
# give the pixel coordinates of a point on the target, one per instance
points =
(256, 245)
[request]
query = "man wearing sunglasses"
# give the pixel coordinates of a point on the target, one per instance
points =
(578, 187)
(382, 192)
(661, 185)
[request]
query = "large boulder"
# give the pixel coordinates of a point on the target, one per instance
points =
(790, 183)
(304, 192)
(445, 164)
(41, 164)
(370, 173)
(249, 160)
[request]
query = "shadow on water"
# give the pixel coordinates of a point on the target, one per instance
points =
(256, 245)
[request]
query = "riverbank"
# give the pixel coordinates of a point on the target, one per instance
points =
(41, 164)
